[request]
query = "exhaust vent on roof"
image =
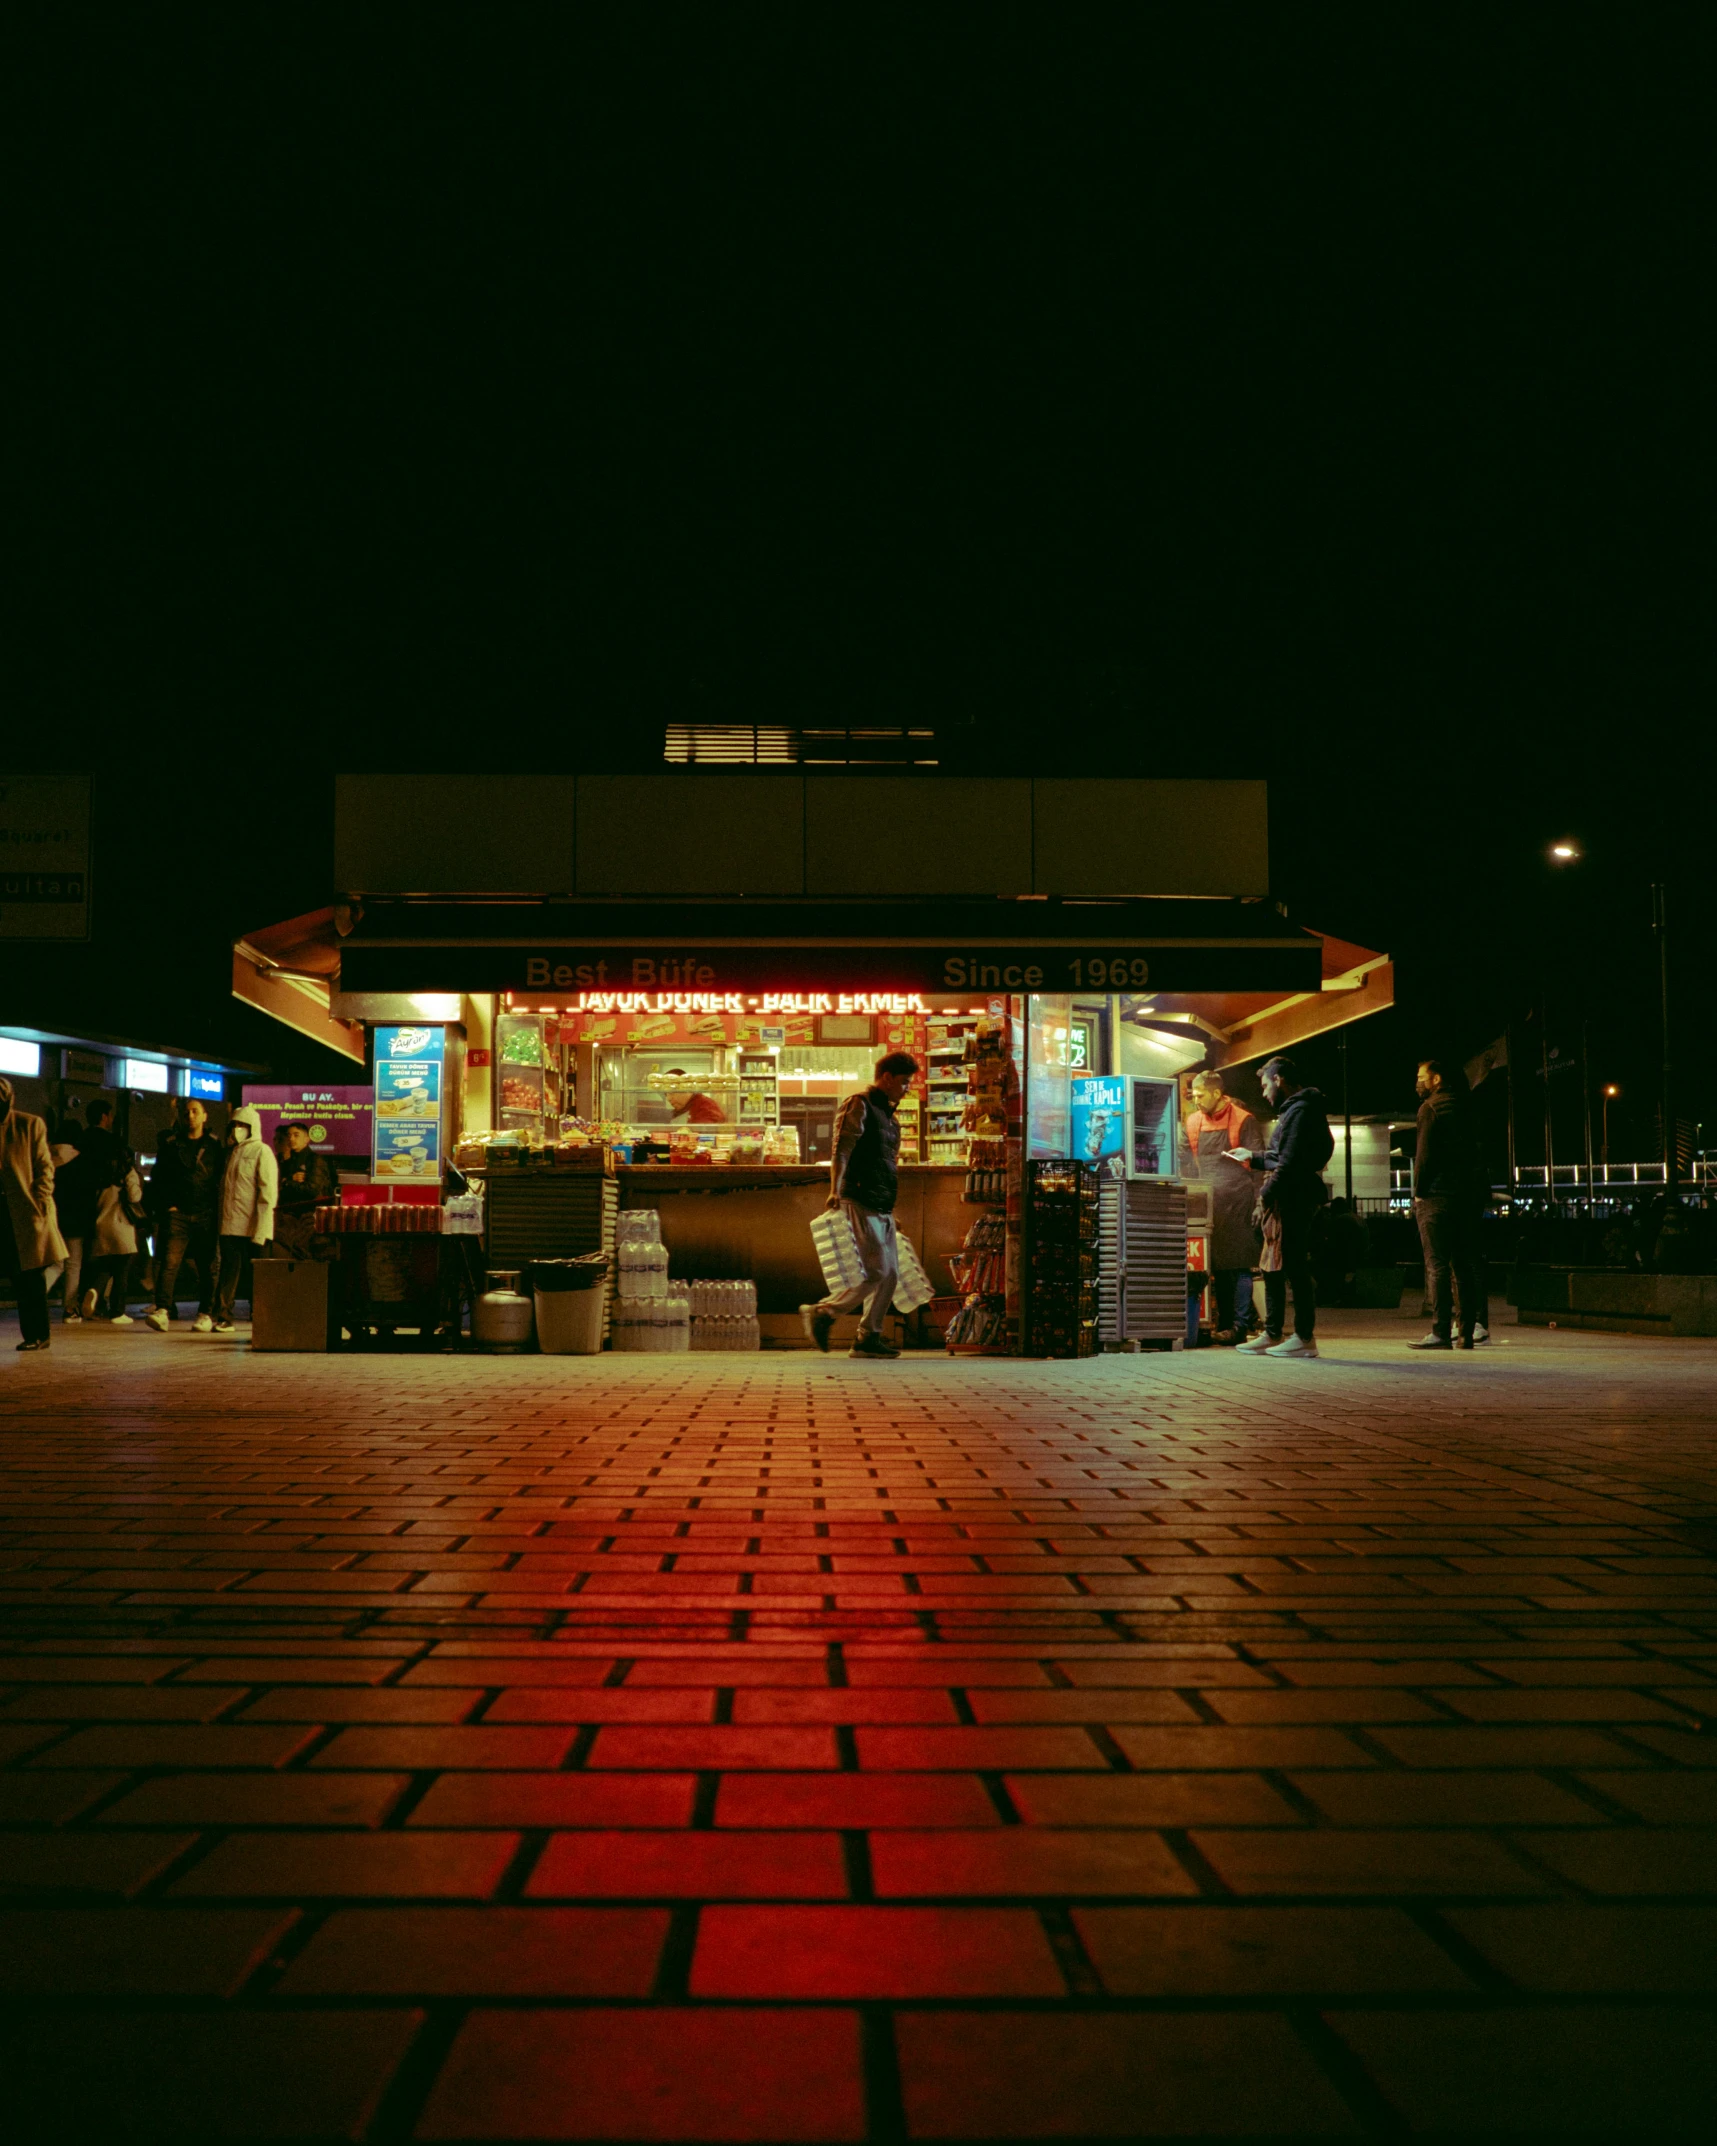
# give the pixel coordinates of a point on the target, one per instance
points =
(766, 745)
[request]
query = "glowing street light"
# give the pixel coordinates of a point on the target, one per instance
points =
(1565, 852)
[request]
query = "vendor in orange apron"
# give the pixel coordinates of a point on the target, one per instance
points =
(1216, 1124)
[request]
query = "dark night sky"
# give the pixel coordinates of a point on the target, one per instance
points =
(1321, 395)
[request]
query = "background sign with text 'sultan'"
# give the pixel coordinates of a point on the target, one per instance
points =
(44, 857)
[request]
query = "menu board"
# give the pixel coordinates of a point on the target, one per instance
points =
(409, 1066)
(339, 1119)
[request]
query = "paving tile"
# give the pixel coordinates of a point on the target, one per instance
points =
(135, 1952)
(1179, 1750)
(1212, 1951)
(122, 1702)
(1148, 1799)
(714, 1748)
(871, 1704)
(169, 2075)
(1375, 1861)
(490, 1670)
(965, 1750)
(1630, 1859)
(854, 1801)
(1346, 1703)
(872, 1952)
(1504, 1747)
(1026, 1860)
(293, 1866)
(1666, 1799)
(294, 1702)
(481, 1952)
(1104, 2075)
(732, 1671)
(1081, 1706)
(179, 1744)
(557, 1799)
(1663, 1951)
(429, 1750)
(687, 1865)
(50, 1799)
(535, 1703)
(259, 1799)
(669, 2073)
(114, 1864)
(1615, 2073)
(1445, 1799)
(1562, 1704)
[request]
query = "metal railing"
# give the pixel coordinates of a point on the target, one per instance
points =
(1530, 1177)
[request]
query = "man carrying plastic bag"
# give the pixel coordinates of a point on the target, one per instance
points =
(865, 1179)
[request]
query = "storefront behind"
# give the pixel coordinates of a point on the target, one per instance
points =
(692, 1046)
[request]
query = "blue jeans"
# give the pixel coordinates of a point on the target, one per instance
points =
(1234, 1300)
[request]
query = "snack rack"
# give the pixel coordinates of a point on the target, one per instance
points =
(947, 1087)
(527, 1085)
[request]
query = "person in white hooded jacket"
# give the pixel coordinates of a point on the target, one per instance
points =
(250, 1186)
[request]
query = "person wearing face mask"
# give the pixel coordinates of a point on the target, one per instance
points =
(250, 1188)
(184, 1211)
(30, 1240)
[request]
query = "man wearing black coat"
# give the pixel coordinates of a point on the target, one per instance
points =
(184, 1212)
(1448, 1194)
(1293, 1193)
(307, 1181)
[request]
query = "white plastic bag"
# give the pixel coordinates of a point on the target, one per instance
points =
(838, 1256)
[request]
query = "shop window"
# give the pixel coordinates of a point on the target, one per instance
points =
(768, 745)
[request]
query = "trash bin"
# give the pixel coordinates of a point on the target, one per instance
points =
(570, 1299)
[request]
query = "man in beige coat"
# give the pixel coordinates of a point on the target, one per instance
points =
(30, 1241)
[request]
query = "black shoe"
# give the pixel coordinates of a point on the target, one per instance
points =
(1465, 1342)
(818, 1324)
(873, 1345)
(23, 1346)
(1432, 1341)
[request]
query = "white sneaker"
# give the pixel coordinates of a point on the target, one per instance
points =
(1480, 1333)
(1255, 1346)
(87, 1303)
(1293, 1346)
(202, 1324)
(157, 1319)
(122, 1318)
(72, 1318)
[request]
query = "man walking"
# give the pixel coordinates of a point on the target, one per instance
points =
(30, 1240)
(865, 1180)
(1448, 1192)
(1300, 1145)
(184, 1204)
(1216, 1125)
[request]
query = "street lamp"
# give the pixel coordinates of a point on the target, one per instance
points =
(1564, 852)
(1610, 1091)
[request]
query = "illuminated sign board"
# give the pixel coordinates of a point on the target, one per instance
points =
(407, 1123)
(204, 1082)
(337, 1119)
(822, 975)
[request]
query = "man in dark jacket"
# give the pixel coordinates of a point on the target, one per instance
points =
(184, 1212)
(1448, 1192)
(1292, 1195)
(865, 1181)
(307, 1181)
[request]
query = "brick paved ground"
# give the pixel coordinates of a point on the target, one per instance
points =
(780, 1749)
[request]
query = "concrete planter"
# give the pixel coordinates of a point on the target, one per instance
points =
(1614, 1301)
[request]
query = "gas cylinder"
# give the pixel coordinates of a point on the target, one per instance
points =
(501, 1318)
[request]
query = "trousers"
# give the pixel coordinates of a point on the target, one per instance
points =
(1449, 1231)
(880, 1260)
(234, 1251)
(181, 1238)
(1233, 1287)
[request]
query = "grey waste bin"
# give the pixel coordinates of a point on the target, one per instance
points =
(570, 1297)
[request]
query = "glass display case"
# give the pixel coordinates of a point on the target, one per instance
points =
(527, 1084)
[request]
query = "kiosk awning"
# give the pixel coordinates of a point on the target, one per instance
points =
(289, 971)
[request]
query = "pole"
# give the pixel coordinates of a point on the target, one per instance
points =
(1544, 1075)
(1660, 928)
(1347, 1121)
(1510, 1069)
(1586, 1103)
(1606, 1136)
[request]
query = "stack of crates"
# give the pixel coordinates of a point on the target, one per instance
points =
(1062, 1257)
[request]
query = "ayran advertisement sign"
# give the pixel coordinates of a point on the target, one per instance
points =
(410, 1063)
(338, 1119)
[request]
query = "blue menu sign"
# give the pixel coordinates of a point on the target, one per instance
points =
(409, 1067)
(1099, 1120)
